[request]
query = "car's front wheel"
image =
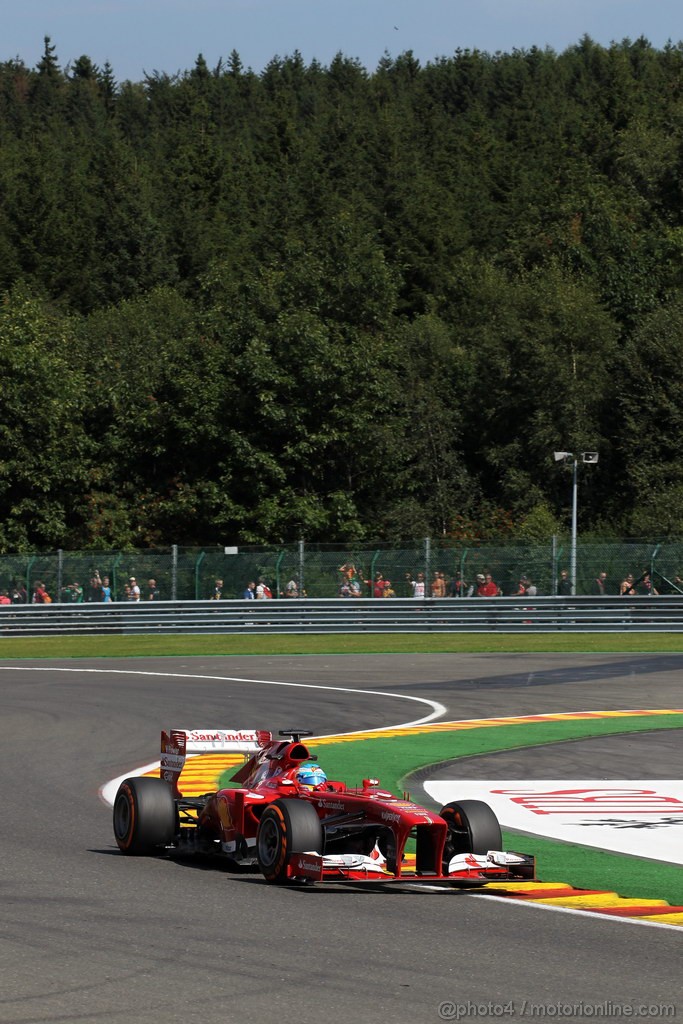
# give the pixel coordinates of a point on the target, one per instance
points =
(145, 816)
(472, 828)
(286, 827)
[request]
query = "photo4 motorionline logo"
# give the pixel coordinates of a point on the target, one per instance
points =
(605, 1010)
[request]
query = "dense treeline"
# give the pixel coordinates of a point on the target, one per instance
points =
(326, 303)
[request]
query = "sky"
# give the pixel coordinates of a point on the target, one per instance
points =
(139, 37)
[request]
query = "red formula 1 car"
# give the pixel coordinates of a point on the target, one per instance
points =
(288, 820)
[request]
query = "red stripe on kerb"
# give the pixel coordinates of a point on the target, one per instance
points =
(637, 911)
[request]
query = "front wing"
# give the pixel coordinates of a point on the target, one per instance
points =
(464, 869)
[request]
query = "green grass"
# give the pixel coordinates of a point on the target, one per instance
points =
(160, 645)
(587, 868)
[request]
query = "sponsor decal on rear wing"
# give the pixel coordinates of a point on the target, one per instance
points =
(246, 740)
(178, 743)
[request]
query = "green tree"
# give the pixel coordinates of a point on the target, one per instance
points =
(646, 423)
(154, 415)
(543, 351)
(44, 451)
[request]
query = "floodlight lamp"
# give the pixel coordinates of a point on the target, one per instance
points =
(562, 456)
(591, 457)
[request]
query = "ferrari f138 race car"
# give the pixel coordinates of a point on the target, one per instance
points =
(286, 819)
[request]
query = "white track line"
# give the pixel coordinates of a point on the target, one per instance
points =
(108, 790)
(437, 709)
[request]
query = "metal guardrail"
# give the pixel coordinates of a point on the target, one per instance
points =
(400, 615)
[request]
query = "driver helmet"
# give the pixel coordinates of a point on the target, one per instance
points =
(310, 775)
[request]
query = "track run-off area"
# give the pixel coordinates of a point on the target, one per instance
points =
(167, 930)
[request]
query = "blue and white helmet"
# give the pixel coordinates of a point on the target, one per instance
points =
(310, 775)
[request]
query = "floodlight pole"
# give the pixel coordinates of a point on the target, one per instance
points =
(591, 458)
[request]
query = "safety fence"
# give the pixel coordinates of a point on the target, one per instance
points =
(319, 571)
(393, 615)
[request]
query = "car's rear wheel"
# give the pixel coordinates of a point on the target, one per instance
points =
(472, 828)
(286, 827)
(144, 816)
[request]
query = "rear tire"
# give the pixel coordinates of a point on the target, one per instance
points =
(286, 827)
(472, 828)
(145, 816)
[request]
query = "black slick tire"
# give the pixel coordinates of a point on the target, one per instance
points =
(286, 827)
(144, 816)
(472, 828)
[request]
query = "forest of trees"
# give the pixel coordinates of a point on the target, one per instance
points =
(326, 303)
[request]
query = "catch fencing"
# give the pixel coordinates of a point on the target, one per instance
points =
(399, 615)
(186, 574)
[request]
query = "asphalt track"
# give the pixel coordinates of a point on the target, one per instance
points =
(90, 936)
(657, 755)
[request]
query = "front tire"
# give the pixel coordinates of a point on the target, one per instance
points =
(144, 816)
(286, 827)
(472, 828)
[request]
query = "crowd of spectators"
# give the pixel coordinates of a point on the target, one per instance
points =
(97, 591)
(351, 584)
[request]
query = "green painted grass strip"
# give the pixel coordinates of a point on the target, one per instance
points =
(394, 758)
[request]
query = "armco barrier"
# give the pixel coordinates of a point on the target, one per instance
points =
(400, 615)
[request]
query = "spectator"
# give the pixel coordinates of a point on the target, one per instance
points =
(627, 587)
(522, 585)
(388, 592)
(217, 591)
(348, 572)
(18, 594)
(94, 591)
(4, 597)
(378, 585)
(489, 588)
(249, 592)
(106, 590)
(564, 585)
(153, 593)
(292, 588)
(600, 584)
(418, 585)
(263, 591)
(526, 586)
(645, 585)
(457, 586)
(40, 594)
(126, 591)
(134, 591)
(73, 593)
(438, 587)
(353, 579)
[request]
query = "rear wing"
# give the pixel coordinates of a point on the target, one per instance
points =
(178, 743)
